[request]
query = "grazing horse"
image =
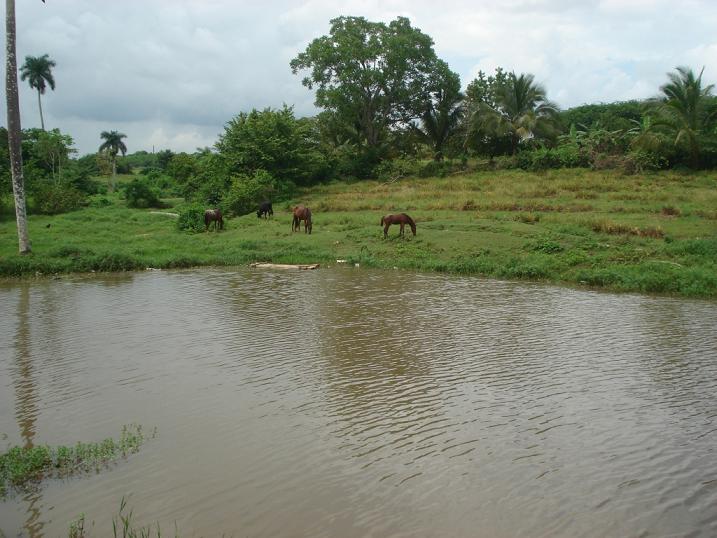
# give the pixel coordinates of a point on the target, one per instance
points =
(301, 213)
(400, 218)
(213, 215)
(265, 209)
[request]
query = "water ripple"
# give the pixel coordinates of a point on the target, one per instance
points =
(359, 403)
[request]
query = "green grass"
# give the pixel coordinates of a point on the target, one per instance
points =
(21, 467)
(648, 233)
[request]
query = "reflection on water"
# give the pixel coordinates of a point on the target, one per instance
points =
(353, 403)
(26, 399)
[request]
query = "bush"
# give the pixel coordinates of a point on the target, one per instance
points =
(544, 158)
(505, 162)
(99, 201)
(640, 161)
(565, 156)
(438, 169)
(607, 161)
(247, 192)
(162, 182)
(395, 169)
(571, 156)
(139, 193)
(54, 198)
(191, 219)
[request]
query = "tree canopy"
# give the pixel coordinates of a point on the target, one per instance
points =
(372, 75)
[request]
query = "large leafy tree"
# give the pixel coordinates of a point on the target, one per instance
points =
(53, 149)
(37, 70)
(13, 127)
(369, 74)
(274, 141)
(481, 98)
(443, 109)
(484, 88)
(684, 110)
(522, 112)
(113, 145)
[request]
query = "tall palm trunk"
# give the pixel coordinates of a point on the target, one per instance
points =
(39, 102)
(13, 128)
(113, 181)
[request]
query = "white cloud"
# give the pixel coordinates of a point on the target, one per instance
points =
(174, 72)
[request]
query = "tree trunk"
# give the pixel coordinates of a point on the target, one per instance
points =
(13, 128)
(39, 103)
(114, 173)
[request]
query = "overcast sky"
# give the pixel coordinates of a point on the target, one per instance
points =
(171, 73)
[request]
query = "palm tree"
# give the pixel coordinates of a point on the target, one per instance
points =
(13, 128)
(38, 71)
(443, 111)
(522, 112)
(644, 136)
(113, 145)
(683, 109)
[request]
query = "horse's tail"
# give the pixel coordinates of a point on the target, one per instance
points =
(411, 223)
(382, 221)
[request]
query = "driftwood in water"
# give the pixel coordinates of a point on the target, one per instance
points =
(284, 266)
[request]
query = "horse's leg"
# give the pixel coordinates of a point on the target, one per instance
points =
(385, 230)
(401, 232)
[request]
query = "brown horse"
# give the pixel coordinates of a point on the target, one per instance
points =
(301, 213)
(213, 216)
(400, 218)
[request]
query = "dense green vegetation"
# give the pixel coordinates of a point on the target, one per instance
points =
(24, 466)
(479, 170)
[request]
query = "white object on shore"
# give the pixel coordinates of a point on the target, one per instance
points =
(284, 266)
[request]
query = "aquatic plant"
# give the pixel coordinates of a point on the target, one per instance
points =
(22, 467)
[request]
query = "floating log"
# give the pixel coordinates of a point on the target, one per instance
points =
(284, 266)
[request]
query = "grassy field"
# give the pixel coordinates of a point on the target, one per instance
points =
(648, 233)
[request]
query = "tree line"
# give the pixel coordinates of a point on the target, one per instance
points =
(388, 107)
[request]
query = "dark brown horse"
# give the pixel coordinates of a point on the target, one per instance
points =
(301, 213)
(213, 216)
(400, 218)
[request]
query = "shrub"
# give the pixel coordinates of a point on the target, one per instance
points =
(545, 158)
(606, 161)
(505, 162)
(248, 191)
(396, 168)
(139, 193)
(191, 219)
(437, 169)
(163, 183)
(54, 198)
(640, 161)
(99, 201)
(571, 156)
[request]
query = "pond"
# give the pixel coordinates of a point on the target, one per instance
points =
(348, 402)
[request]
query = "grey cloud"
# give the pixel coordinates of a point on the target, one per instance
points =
(176, 71)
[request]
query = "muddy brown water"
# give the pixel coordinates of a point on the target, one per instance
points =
(347, 402)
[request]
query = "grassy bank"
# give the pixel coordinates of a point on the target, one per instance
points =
(651, 233)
